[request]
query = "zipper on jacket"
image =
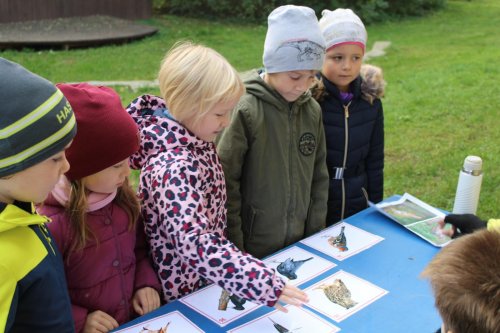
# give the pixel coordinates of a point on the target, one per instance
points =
(346, 143)
(346, 110)
(45, 233)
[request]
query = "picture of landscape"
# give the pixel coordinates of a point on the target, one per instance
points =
(418, 217)
(408, 212)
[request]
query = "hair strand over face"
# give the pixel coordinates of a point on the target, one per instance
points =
(77, 211)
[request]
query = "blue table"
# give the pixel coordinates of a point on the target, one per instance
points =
(393, 264)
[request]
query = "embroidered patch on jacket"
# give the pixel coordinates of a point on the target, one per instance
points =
(307, 144)
(307, 50)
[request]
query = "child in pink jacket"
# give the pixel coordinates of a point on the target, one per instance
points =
(182, 183)
(94, 216)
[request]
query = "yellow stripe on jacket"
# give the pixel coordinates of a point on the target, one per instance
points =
(20, 251)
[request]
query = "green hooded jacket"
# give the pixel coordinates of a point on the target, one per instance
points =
(273, 154)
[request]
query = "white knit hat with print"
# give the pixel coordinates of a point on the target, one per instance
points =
(293, 40)
(342, 26)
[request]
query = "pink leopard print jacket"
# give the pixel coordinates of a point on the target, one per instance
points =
(184, 208)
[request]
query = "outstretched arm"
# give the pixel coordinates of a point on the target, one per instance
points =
(194, 227)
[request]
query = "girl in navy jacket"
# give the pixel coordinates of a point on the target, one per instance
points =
(352, 116)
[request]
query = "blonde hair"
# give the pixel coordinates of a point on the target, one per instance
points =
(77, 211)
(194, 78)
(465, 277)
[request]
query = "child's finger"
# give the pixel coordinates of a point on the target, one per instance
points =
(137, 307)
(280, 307)
(295, 293)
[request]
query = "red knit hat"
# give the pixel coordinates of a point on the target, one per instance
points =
(106, 133)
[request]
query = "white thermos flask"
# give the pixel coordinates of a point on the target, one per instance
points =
(469, 186)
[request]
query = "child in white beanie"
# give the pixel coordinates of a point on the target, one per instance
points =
(352, 116)
(273, 152)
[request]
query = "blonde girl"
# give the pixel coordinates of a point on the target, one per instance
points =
(182, 184)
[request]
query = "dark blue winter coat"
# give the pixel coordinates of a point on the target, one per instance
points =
(355, 150)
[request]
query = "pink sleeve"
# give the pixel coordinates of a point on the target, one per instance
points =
(201, 243)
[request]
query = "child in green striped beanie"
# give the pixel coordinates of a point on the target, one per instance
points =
(36, 126)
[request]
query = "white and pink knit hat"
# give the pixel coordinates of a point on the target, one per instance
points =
(342, 26)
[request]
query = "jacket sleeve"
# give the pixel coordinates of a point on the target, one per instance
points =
(7, 297)
(375, 159)
(232, 147)
(79, 317)
(316, 217)
(145, 275)
(207, 251)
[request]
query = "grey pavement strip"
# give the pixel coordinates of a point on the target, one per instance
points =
(377, 50)
(134, 85)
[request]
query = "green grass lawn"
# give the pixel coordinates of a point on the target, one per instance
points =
(442, 102)
(442, 97)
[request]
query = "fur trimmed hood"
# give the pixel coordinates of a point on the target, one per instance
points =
(370, 84)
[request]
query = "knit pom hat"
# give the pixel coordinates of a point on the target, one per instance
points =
(342, 26)
(106, 133)
(293, 40)
(36, 120)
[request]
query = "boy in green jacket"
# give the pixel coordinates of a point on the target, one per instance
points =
(273, 152)
(36, 126)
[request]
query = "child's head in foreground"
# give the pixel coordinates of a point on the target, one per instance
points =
(465, 277)
(294, 50)
(200, 88)
(36, 126)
